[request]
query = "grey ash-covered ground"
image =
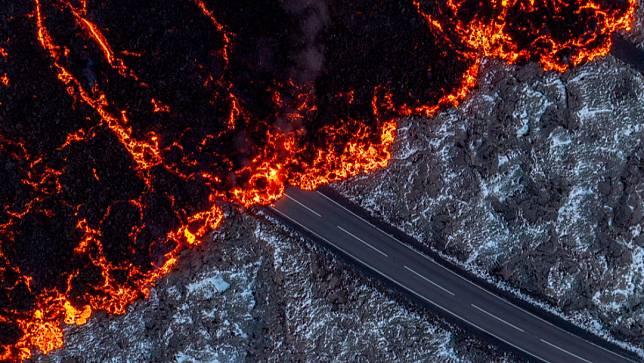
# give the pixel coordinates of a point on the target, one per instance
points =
(258, 292)
(536, 182)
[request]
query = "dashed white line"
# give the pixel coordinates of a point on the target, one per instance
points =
(428, 258)
(355, 215)
(497, 318)
(462, 278)
(302, 204)
(359, 239)
(565, 351)
(406, 288)
(520, 308)
(428, 280)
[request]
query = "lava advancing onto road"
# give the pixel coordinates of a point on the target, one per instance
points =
(125, 126)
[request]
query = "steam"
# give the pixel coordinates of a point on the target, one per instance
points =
(313, 16)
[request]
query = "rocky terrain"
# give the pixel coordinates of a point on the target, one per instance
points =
(536, 182)
(637, 34)
(257, 292)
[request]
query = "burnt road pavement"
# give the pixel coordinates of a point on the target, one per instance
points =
(445, 291)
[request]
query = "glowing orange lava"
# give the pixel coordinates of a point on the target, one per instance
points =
(187, 173)
(556, 33)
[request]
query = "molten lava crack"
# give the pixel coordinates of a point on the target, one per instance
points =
(125, 128)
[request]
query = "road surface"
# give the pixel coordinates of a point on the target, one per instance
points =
(444, 290)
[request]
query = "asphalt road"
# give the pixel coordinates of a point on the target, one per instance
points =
(439, 287)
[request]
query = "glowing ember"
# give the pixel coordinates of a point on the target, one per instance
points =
(556, 33)
(124, 129)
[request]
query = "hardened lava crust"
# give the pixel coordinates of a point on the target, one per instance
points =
(125, 126)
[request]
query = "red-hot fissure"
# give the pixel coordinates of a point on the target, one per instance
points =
(148, 119)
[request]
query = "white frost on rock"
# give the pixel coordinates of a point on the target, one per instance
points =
(573, 217)
(526, 175)
(370, 325)
(206, 286)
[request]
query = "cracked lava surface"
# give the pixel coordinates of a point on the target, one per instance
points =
(125, 126)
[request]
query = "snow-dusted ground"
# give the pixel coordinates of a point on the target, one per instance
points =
(637, 33)
(537, 181)
(258, 292)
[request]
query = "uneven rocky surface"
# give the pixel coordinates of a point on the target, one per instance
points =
(637, 34)
(537, 181)
(257, 292)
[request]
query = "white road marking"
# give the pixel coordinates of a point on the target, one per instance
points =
(359, 239)
(565, 351)
(473, 284)
(406, 288)
(355, 215)
(302, 204)
(428, 258)
(428, 280)
(522, 309)
(497, 318)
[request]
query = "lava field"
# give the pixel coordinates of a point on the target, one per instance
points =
(126, 125)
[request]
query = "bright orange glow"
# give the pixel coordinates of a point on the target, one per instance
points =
(159, 107)
(284, 156)
(489, 35)
(95, 33)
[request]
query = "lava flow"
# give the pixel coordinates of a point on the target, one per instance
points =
(125, 127)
